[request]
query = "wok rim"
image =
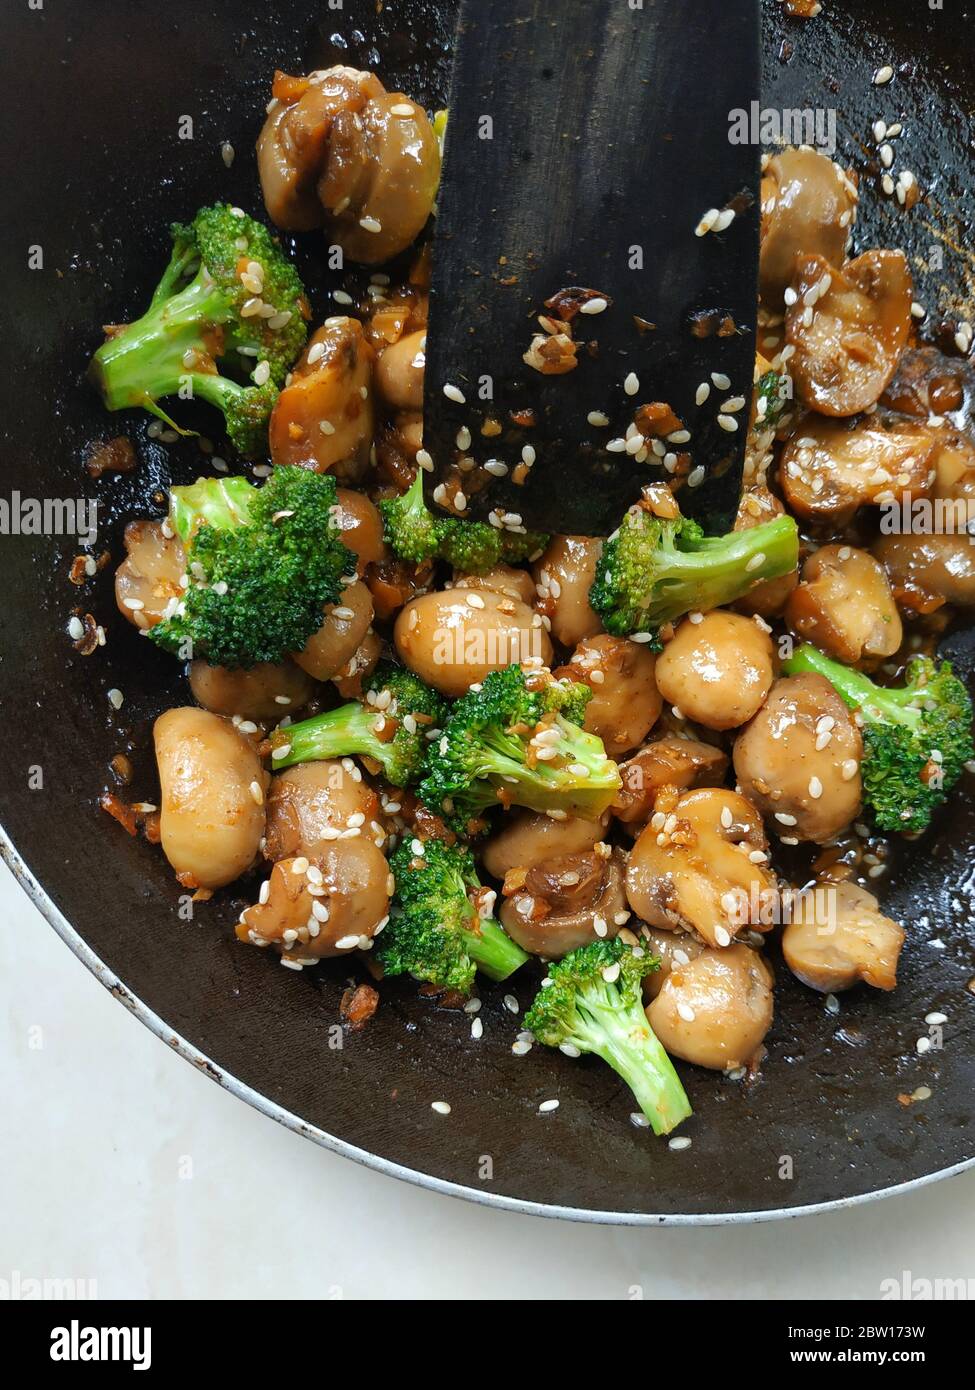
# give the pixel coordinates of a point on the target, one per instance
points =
(72, 938)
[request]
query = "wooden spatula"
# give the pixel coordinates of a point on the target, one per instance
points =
(589, 177)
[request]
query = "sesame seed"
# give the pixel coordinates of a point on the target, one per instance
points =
(728, 423)
(261, 374)
(598, 418)
(679, 1143)
(547, 1106)
(756, 562)
(370, 224)
(257, 793)
(883, 75)
(511, 1003)
(722, 936)
(923, 1045)
(784, 818)
(346, 943)
(639, 1120)
(631, 384)
(477, 1029)
(696, 476)
(454, 393)
(115, 698)
(441, 1107)
(935, 1019)
(686, 1012)
(594, 306)
(227, 153)
(402, 108)
(721, 381)
(848, 769)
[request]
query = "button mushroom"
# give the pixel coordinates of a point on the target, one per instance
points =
(799, 760)
(343, 629)
(767, 599)
(828, 469)
(562, 903)
(625, 702)
(453, 639)
(848, 328)
(701, 865)
(323, 419)
(149, 581)
(671, 949)
(717, 670)
(361, 526)
(528, 837)
(668, 761)
(842, 938)
(399, 371)
(716, 1010)
(845, 607)
(269, 690)
(564, 574)
(312, 802)
(808, 204)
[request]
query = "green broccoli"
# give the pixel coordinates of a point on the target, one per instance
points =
(653, 571)
(592, 1002)
(417, 534)
(391, 727)
(261, 563)
(435, 931)
(916, 738)
(516, 740)
(202, 313)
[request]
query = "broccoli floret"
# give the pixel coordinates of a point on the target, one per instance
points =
(516, 741)
(203, 313)
(393, 730)
(653, 571)
(435, 932)
(417, 534)
(593, 1001)
(916, 738)
(262, 563)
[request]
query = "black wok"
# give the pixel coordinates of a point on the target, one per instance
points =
(93, 171)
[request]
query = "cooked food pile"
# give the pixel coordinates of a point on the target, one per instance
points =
(464, 752)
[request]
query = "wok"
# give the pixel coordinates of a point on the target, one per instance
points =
(93, 171)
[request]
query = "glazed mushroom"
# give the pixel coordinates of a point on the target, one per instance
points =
(453, 639)
(848, 328)
(527, 838)
(327, 902)
(328, 651)
(808, 205)
(399, 371)
(502, 579)
(799, 760)
(323, 419)
(212, 797)
(564, 574)
(625, 702)
(845, 607)
(701, 865)
(671, 949)
(840, 938)
(717, 669)
(670, 761)
(150, 580)
(361, 526)
(766, 600)
(716, 1010)
(337, 150)
(350, 678)
(559, 904)
(269, 690)
(319, 801)
(829, 469)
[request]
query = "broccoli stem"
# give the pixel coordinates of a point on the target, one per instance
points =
(223, 503)
(143, 361)
(493, 951)
(857, 690)
(623, 1038)
(719, 568)
(540, 787)
(335, 734)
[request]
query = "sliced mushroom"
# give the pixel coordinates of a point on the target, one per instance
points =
(149, 580)
(844, 606)
(799, 760)
(326, 903)
(701, 865)
(564, 574)
(840, 938)
(716, 1010)
(528, 837)
(317, 801)
(565, 902)
(625, 702)
(328, 651)
(717, 670)
(668, 761)
(848, 328)
(269, 690)
(452, 639)
(767, 599)
(829, 469)
(324, 418)
(808, 205)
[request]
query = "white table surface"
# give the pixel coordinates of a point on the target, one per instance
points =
(124, 1165)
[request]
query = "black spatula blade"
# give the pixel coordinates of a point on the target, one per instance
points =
(586, 139)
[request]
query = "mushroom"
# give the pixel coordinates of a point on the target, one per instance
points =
(844, 606)
(808, 204)
(559, 904)
(528, 837)
(701, 865)
(716, 1010)
(840, 938)
(269, 690)
(717, 669)
(669, 761)
(329, 650)
(318, 801)
(150, 580)
(625, 701)
(323, 419)
(671, 949)
(848, 328)
(767, 599)
(799, 760)
(454, 638)
(361, 527)
(829, 468)
(564, 574)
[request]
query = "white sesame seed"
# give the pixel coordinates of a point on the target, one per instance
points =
(923, 1045)
(598, 418)
(441, 1107)
(728, 423)
(370, 224)
(402, 108)
(722, 936)
(261, 374)
(696, 476)
(721, 381)
(678, 1143)
(631, 384)
(616, 446)
(686, 1012)
(454, 393)
(784, 818)
(883, 75)
(815, 788)
(115, 698)
(594, 306)
(935, 1019)
(346, 943)
(547, 1106)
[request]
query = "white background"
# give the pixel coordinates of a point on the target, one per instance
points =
(98, 1124)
